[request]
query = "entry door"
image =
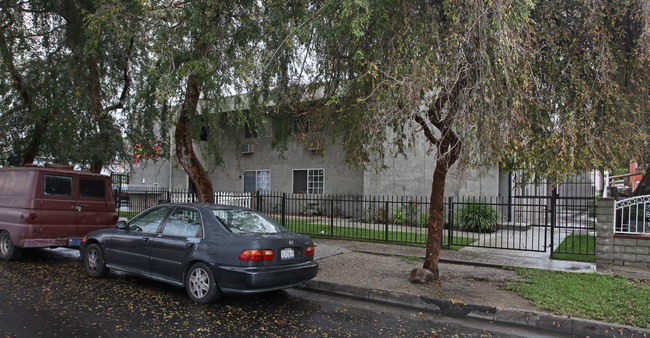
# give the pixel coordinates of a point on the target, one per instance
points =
(58, 217)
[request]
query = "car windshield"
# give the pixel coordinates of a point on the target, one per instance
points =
(247, 221)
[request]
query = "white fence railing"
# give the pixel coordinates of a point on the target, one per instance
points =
(230, 198)
(632, 215)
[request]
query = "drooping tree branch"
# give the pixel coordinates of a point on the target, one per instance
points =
(37, 132)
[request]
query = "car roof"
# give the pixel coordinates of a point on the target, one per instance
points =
(207, 206)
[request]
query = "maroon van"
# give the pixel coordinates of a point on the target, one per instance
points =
(46, 207)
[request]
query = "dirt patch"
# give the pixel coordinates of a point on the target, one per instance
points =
(470, 284)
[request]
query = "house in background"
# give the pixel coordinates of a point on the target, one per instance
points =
(635, 179)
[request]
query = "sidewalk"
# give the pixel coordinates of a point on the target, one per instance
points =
(469, 287)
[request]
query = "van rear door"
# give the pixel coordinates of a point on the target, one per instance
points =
(58, 205)
(95, 206)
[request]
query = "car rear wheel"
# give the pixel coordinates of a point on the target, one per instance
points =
(8, 251)
(201, 285)
(94, 263)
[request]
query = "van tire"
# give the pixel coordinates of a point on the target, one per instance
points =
(94, 262)
(8, 251)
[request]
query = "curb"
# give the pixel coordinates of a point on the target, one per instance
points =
(534, 319)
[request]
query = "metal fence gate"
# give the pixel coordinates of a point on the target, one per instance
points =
(534, 217)
(558, 219)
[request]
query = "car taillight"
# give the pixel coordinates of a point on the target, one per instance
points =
(257, 255)
(309, 251)
(32, 218)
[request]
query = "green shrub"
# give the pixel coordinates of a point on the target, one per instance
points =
(477, 217)
(424, 221)
(312, 209)
(407, 214)
(398, 217)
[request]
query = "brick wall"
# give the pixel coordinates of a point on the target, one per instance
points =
(611, 248)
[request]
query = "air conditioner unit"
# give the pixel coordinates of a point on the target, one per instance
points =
(315, 145)
(246, 148)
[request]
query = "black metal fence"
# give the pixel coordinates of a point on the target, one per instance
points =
(530, 223)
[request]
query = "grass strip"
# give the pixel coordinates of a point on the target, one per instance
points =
(580, 248)
(612, 299)
(370, 235)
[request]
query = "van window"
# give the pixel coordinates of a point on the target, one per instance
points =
(16, 184)
(57, 185)
(93, 188)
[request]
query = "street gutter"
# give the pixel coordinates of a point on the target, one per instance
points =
(534, 319)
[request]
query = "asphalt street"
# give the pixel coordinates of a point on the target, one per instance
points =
(47, 294)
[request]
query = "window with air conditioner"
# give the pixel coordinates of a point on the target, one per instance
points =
(258, 129)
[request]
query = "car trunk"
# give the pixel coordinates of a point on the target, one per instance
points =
(288, 247)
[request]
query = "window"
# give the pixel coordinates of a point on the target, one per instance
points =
(183, 222)
(93, 188)
(300, 125)
(247, 221)
(57, 185)
(256, 130)
(309, 181)
(257, 180)
(150, 221)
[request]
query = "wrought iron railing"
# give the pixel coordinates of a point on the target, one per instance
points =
(516, 223)
(632, 216)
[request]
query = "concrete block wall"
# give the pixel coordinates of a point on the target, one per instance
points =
(618, 249)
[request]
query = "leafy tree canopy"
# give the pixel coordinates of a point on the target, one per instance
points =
(547, 88)
(65, 78)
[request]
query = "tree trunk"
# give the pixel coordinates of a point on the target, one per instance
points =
(100, 117)
(436, 219)
(184, 147)
(448, 153)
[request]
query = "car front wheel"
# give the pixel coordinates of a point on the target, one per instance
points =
(94, 263)
(8, 251)
(201, 285)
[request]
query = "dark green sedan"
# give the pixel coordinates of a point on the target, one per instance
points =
(208, 249)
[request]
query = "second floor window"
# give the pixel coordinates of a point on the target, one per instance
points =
(256, 130)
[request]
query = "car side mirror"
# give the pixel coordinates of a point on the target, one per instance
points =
(121, 225)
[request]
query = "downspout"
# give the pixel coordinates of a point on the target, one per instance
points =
(171, 153)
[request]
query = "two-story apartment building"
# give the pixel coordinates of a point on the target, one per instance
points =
(250, 164)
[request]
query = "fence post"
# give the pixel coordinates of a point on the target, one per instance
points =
(605, 225)
(386, 223)
(284, 207)
(450, 222)
(332, 217)
(554, 196)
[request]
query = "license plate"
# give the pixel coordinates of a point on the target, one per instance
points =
(286, 253)
(74, 241)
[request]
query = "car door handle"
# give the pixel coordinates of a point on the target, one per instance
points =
(146, 239)
(189, 245)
